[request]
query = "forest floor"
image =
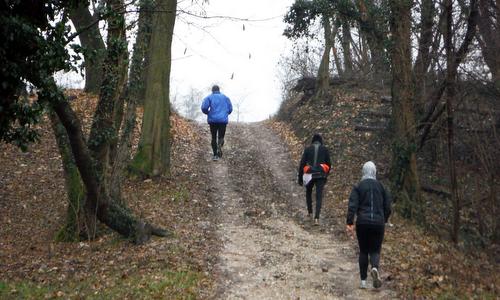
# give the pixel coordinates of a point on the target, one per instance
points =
(238, 224)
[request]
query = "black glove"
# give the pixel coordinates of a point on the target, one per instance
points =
(300, 181)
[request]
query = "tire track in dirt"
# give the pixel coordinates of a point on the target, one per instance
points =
(268, 251)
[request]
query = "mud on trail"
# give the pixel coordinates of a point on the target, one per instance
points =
(269, 250)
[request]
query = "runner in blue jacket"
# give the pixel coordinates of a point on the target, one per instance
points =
(217, 107)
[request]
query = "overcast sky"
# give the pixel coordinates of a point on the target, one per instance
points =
(208, 51)
(212, 50)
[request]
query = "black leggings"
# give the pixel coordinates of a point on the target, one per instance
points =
(218, 131)
(320, 184)
(370, 239)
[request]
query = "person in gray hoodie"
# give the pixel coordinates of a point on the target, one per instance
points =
(370, 205)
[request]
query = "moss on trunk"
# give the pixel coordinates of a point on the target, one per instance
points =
(404, 163)
(74, 186)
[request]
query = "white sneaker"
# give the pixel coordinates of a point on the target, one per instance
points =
(363, 284)
(376, 278)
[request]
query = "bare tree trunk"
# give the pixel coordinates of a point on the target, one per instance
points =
(346, 46)
(103, 131)
(107, 211)
(153, 155)
(423, 59)
(374, 37)
(74, 185)
(404, 163)
(324, 67)
(495, 201)
(432, 114)
(134, 93)
(450, 95)
(489, 36)
(336, 58)
(93, 46)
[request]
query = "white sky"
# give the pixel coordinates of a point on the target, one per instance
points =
(217, 48)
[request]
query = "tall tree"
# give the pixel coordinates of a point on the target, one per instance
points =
(153, 155)
(372, 21)
(489, 36)
(324, 66)
(450, 95)
(423, 59)
(346, 45)
(45, 52)
(404, 161)
(93, 47)
(134, 95)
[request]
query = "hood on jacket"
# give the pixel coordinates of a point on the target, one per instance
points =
(317, 138)
(369, 171)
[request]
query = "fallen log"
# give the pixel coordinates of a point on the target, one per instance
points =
(432, 190)
(369, 128)
(373, 113)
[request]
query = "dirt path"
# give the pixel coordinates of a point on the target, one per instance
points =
(269, 252)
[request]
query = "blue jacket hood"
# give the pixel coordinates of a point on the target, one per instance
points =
(217, 107)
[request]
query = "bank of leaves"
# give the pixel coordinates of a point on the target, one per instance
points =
(33, 206)
(417, 262)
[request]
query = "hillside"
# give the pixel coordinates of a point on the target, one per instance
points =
(238, 224)
(420, 260)
(33, 265)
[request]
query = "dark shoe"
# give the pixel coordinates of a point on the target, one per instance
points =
(219, 147)
(309, 218)
(376, 278)
(215, 158)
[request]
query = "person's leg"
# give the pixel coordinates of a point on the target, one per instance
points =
(320, 184)
(375, 245)
(361, 234)
(309, 188)
(213, 131)
(220, 141)
(376, 236)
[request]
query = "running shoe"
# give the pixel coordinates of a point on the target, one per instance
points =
(363, 284)
(215, 158)
(376, 278)
(316, 222)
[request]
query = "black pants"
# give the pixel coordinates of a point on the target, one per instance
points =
(320, 184)
(370, 239)
(218, 130)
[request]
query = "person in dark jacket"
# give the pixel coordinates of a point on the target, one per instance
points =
(370, 205)
(217, 107)
(314, 165)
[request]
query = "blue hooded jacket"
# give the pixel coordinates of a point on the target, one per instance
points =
(217, 106)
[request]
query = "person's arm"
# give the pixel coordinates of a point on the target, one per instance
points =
(352, 207)
(229, 106)
(387, 203)
(301, 168)
(205, 105)
(351, 211)
(328, 160)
